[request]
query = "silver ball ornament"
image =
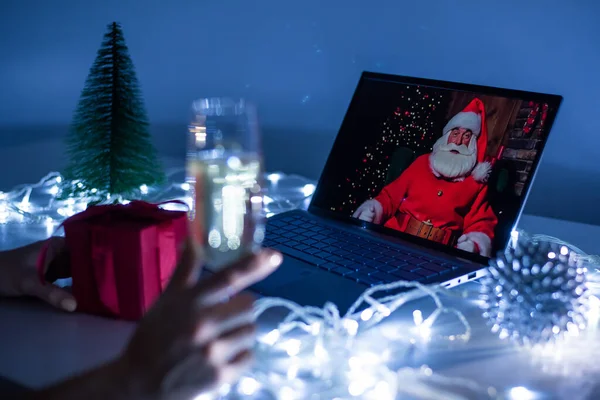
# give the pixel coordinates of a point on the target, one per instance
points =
(535, 292)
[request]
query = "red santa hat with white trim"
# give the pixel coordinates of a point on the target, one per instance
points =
(473, 118)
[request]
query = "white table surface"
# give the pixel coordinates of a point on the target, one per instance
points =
(39, 346)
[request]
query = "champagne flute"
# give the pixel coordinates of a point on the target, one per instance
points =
(224, 167)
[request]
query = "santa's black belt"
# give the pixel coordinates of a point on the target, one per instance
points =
(426, 230)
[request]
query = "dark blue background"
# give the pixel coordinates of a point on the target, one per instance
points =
(300, 61)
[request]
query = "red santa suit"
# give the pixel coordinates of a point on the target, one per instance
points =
(423, 203)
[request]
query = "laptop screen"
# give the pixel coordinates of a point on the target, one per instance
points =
(436, 162)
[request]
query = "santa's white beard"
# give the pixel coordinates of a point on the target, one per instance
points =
(450, 165)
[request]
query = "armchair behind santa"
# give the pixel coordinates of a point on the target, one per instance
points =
(122, 256)
(400, 160)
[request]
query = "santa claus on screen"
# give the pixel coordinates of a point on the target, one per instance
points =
(442, 196)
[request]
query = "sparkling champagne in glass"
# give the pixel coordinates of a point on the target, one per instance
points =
(224, 167)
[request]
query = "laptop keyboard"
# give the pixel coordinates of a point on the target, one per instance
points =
(352, 256)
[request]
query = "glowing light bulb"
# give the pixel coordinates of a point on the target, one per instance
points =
(185, 186)
(384, 310)
(521, 393)
(58, 179)
(25, 199)
(367, 314)
(144, 189)
(248, 386)
(53, 190)
(274, 178)
(354, 362)
(320, 352)
(292, 347)
(564, 250)
(271, 338)
(356, 388)
(234, 162)
(49, 222)
(424, 330)
(418, 317)
(514, 238)
(315, 327)
(572, 329)
(308, 189)
(267, 200)
(351, 326)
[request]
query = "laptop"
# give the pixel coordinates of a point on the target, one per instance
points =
(425, 182)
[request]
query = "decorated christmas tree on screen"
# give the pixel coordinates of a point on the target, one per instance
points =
(109, 144)
(416, 123)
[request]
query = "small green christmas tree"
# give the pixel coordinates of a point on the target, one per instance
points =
(109, 144)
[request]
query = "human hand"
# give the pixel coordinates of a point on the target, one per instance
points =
(197, 336)
(19, 275)
(369, 211)
(466, 244)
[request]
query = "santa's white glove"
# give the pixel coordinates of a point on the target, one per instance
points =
(466, 244)
(370, 211)
(475, 242)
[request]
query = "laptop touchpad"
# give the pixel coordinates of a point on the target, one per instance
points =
(308, 285)
(290, 271)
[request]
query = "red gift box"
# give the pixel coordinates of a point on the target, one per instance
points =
(122, 256)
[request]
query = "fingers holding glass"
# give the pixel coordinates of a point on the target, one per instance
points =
(239, 276)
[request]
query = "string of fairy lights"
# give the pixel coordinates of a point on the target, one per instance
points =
(320, 353)
(414, 125)
(41, 202)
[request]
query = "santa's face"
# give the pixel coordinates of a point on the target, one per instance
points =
(454, 155)
(460, 136)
